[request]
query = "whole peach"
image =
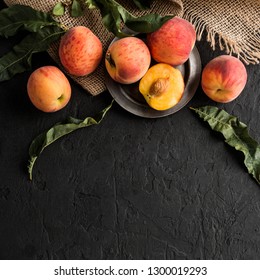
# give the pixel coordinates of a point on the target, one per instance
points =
(80, 51)
(224, 78)
(172, 42)
(127, 60)
(48, 89)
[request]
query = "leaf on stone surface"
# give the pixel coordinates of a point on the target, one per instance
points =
(58, 9)
(19, 58)
(57, 131)
(76, 10)
(235, 134)
(113, 15)
(20, 17)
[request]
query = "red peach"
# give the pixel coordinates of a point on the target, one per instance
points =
(172, 42)
(48, 89)
(80, 51)
(224, 78)
(127, 60)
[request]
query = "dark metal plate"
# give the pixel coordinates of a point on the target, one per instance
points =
(129, 97)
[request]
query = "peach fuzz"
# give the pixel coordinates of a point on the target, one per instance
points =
(48, 89)
(80, 51)
(224, 78)
(172, 42)
(127, 60)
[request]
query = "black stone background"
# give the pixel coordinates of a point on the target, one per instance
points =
(129, 188)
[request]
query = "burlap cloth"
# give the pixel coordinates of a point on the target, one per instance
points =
(231, 24)
(234, 25)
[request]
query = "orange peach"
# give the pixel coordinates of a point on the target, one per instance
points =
(224, 78)
(162, 86)
(80, 51)
(172, 42)
(127, 60)
(48, 89)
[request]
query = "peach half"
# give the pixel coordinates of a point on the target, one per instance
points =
(162, 86)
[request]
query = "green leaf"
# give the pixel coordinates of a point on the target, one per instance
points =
(57, 131)
(58, 9)
(76, 10)
(19, 58)
(113, 15)
(144, 24)
(91, 4)
(19, 17)
(236, 135)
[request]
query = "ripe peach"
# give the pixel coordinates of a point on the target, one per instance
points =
(80, 51)
(224, 78)
(48, 89)
(127, 60)
(172, 42)
(162, 86)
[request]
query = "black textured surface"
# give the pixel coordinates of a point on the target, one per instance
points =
(129, 188)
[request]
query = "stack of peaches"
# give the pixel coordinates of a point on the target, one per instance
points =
(128, 60)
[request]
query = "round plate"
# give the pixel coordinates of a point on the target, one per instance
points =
(129, 97)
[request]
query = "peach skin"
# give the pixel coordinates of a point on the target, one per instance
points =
(48, 89)
(80, 51)
(173, 42)
(127, 60)
(224, 78)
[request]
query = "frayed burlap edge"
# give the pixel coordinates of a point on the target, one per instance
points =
(247, 51)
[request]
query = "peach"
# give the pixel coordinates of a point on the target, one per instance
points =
(80, 51)
(172, 42)
(48, 89)
(223, 78)
(127, 60)
(162, 86)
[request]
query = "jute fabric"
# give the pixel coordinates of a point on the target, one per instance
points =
(233, 25)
